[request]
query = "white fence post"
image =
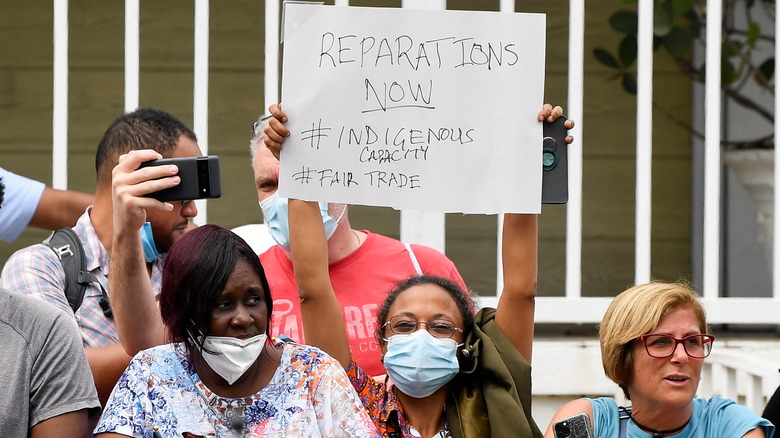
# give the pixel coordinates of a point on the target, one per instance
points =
(200, 104)
(574, 206)
(60, 98)
(712, 164)
(132, 54)
(644, 143)
(776, 232)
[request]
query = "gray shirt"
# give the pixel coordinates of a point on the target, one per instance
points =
(43, 369)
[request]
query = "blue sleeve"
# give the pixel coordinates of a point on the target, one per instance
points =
(19, 204)
(726, 418)
(606, 420)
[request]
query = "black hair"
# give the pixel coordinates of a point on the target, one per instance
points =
(144, 128)
(2, 192)
(461, 298)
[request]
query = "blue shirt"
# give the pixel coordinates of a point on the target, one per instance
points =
(713, 418)
(19, 204)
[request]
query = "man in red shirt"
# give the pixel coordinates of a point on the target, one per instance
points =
(364, 266)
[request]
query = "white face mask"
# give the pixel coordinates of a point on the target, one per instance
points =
(231, 357)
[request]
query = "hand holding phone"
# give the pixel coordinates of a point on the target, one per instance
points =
(200, 178)
(555, 165)
(577, 426)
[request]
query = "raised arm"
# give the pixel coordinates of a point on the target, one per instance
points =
(323, 322)
(515, 311)
(136, 311)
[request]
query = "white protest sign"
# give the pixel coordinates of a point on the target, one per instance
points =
(413, 109)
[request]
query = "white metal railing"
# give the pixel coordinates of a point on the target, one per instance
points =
(746, 379)
(727, 372)
(428, 228)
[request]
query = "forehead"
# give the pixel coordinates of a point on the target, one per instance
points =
(681, 319)
(186, 147)
(264, 163)
(426, 301)
(243, 273)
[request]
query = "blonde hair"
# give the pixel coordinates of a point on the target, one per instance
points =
(634, 312)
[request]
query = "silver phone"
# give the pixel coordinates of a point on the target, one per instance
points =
(577, 426)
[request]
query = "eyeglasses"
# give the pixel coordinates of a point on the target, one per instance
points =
(438, 328)
(663, 346)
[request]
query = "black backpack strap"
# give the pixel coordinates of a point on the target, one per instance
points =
(69, 250)
(625, 415)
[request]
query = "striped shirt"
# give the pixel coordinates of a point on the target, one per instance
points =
(36, 271)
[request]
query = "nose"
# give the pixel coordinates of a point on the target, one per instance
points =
(189, 209)
(241, 317)
(679, 355)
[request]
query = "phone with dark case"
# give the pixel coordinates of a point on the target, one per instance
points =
(577, 426)
(200, 178)
(555, 164)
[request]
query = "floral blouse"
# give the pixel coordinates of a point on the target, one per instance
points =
(309, 395)
(384, 407)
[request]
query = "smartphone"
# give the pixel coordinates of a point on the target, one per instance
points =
(555, 174)
(200, 178)
(578, 426)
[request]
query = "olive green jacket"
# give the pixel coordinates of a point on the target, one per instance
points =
(491, 396)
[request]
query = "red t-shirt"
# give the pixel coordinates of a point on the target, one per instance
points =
(361, 281)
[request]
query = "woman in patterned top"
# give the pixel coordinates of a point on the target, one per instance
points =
(221, 376)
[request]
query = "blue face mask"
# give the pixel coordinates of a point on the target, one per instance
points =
(147, 242)
(275, 213)
(419, 363)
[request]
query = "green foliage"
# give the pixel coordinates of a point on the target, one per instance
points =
(606, 58)
(679, 24)
(624, 22)
(678, 41)
(767, 68)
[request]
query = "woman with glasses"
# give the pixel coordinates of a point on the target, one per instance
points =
(654, 339)
(452, 373)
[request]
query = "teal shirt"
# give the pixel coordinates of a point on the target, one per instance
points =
(713, 418)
